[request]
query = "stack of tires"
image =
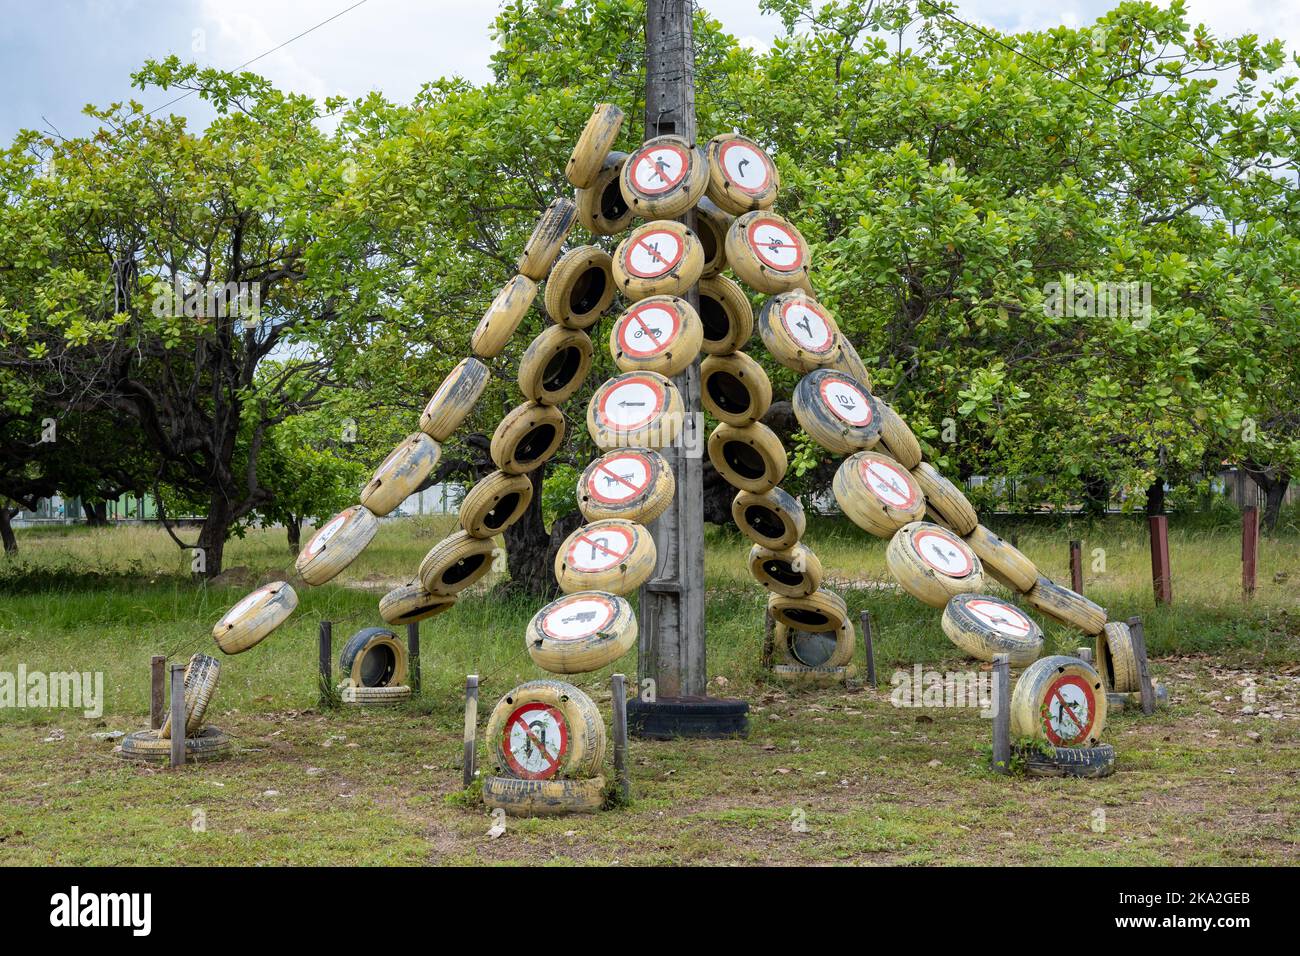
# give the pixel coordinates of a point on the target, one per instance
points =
(202, 743)
(1058, 714)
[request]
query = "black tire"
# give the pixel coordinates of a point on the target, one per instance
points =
(374, 657)
(543, 798)
(1098, 761)
(146, 746)
(701, 717)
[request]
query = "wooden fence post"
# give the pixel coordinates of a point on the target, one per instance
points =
(1249, 550)
(1146, 689)
(157, 690)
(326, 663)
(1160, 574)
(471, 729)
(865, 620)
(618, 690)
(178, 715)
(1001, 713)
(413, 655)
(1076, 566)
(769, 640)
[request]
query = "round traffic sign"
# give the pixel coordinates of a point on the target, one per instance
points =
(620, 477)
(577, 616)
(648, 328)
(598, 549)
(652, 253)
(745, 166)
(808, 325)
(536, 739)
(656, 169)
(889, 482)
(322, 537)
(775, 244)
(1000, 616)
(846, 400)
(630, 403)
(1069, 710)
(943, 552)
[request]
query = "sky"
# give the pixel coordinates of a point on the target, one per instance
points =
(58, 55)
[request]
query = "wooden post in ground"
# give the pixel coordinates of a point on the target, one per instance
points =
(413, 655)
(865, 620)
(1160, 576)
(769, 640)
(1084, 654)
(1076, 566)
(471, 729)
(325, 662)
(1001, 713)
(618, 692)
(157, 690)
(1249, 550)
(178, 715)
(1146, 689)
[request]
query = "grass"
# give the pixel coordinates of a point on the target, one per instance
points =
(824, 777)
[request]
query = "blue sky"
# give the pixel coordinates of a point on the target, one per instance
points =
(58, 55)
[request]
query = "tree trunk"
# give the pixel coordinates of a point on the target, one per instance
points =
(1096, 496)
(1274, 487)
(1156, 497)
(96, 513)
(530, 548)
(7, 531)
(212, 536)
(293, 529)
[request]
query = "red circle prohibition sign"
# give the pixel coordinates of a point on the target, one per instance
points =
(1054, 700)
(525, 737)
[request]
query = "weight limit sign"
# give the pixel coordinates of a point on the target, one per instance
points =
(846, 401)
(536, 740)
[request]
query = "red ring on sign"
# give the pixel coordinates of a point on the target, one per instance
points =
(636, 240)
(853, 386)
(948, 539)
(552, 758)
(612, 555)
(865, 466)
(640, 423)
(606, 468)
(643, 156)
(758, 248)
(1053, 691)
(632, 318)
(991, 608)
(817, 347)
(752, 147)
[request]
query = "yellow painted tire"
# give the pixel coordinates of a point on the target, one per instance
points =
(401, 474)
(1062, 604)
(614, 555)
(372, 658)
(837, 413)
(249, 622)
(1116, 658)
(735, 389)
(945, 503)
(410, 603)
(502, 318)
(580, 288)
(495, 503)
(798, 331)
(711, 225)
(583, 750)
(797, 675)
(932, 564)
(749, 458)
(896, 439)
(1000, 559)
(593, 145)
(454, 399)
(795, 572)
(528, 436)
(202, 674)
(543, 798)
(375, 696)
(145, 745)
(767, 253)
(632, 483)
(336, 544)
(820, 611)
(602, 210)
(659, 334)
(850, 363)
(742, 177)
(877, 493)
(982, 626)
(664, 177)
(1061, 700)
(455, 563)
(814, 648)
(658, 258)
(547, 239)
(555, 365)
(581, 632)
(726, 315)
(635, 409)
(773, 519)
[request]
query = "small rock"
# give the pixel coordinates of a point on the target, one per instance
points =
(935, 763)
(54, 737)
(1253, 735)
(315, 771)
(108, 735)
(270, 793)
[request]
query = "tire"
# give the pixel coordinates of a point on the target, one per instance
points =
(373, 657)
(877, 493)
(800, 676)
(249, 622)
(796, 572)
(664, 177)
(773, 519)
(202, 674)
(583, 750)
(749, 458)
(1062, 604)
(767, 253)
(455, 563)
(547, 239)
(145, 745)
(837, 412)
(735, 389)
(659, 334)
(1117, 702)
(562, 645)
(742, 177)
(401, 474)
(896, 439)
(932, 564)
(614, 555)
(726, 316)
(700, 717)
(410, 603)
(602, 210)
(543, 798)
(635, 409)
(798, 332)
(454, 399)
(502, 318)
(375, 696)
(593, 145)
(711, 225)
(495, 503)
(820, 611)
(632, 483)
(814, 649)
(850, 363)
(945, 504)
(336, 544)
(555, 365)
(1091, 762)
(982, 626)
(1116, 658)
(580, 288)
(1001, 560)
(1037, 712)
(528, 436)
(658, 258)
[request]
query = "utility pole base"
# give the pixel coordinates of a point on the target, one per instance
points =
(667, 718)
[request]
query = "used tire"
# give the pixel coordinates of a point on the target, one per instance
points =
(814, 648)
(896, 439)
(202, 674)
(742, 177)
(401, 474)
(544, 729)
(798, 332)
(945, 503)
(932, 564)
(1064, 605)
(767, 253)
(547, 239)
(642, 409)
(1116, 658)
(375, 696)
(580, 288)
(455, 563)
(1061, 700)
(632, 483)
(336, 544)
(1001, 560)
(800, 676)
(837, 412)
(773, 519)
(659, 334)
(850, 363)
(495, 503)
(526, 437)
(602, 210)
(820, 611)
(374, 657)
(795, 572)
(410, 603)
(982, 626)
(1096, 761)
(593, 145)
(614, 555)
(555, 365)
(877, 493)
(726, 316)
(543, 798)
(249, 622)
(735, 389)
(750, 458)
(658, 258)
(145, 745)
(502, 318)
(581, 632)
(711, 225)
(454, 399)
(664, 178)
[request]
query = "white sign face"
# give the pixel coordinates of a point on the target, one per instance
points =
(577, 617)
(535, 740)
(1069, 710)
(648, 330)
(745, 166)
(322, 537)
(619, 478)
(807, 326)
(775, 245)
(658, 169)
(653, 253)
(889, 483)
(243, 606)
(1000, 617)
(630, 404)
(943, 552)
(599, 549)
(846, 401)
